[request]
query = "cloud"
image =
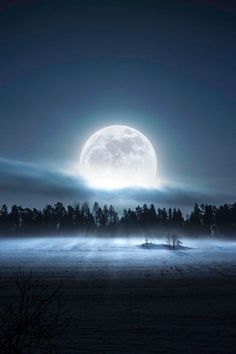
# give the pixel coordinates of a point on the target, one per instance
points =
(174, 196)
(27, 178)
(38, 184)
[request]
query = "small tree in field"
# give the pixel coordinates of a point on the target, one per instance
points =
(173, 242)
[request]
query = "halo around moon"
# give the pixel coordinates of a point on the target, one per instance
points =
(118, 156)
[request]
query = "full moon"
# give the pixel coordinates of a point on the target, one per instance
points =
(118, 156)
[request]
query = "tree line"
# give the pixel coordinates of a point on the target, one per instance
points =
(57, 219)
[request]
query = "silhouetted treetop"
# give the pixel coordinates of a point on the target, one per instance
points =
(203, 220)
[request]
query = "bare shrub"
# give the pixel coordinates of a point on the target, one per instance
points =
(173, 241)
(32, 319)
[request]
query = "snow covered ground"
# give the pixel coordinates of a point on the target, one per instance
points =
(125, 299)
(119, 257)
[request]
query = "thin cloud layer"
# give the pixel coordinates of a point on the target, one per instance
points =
(23, 183)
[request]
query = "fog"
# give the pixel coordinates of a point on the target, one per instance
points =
(88, 257)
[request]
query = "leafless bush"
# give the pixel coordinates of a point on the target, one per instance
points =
(30, 322)
(173, 241)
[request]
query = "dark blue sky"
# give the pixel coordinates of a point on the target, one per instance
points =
(167, 68)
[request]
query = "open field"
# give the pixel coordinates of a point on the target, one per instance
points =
(124, 299)
(110, 258)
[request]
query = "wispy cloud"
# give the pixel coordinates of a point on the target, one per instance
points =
(23, 182)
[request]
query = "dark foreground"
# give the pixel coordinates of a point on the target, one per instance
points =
(146, 315)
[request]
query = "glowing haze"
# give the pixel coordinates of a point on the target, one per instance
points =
(118, 156)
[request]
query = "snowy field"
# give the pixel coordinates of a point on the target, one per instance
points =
(119, 257)
(125, 299)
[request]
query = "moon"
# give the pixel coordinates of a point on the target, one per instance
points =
(118, 156)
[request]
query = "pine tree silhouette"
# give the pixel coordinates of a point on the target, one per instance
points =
(207, 220)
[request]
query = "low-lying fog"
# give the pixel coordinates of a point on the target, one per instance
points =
(104, 257)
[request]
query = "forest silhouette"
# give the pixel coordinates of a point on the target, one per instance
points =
(206, 220)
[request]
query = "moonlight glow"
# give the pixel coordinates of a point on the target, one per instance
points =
(118, 156)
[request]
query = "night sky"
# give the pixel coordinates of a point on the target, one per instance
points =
(68, 68)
